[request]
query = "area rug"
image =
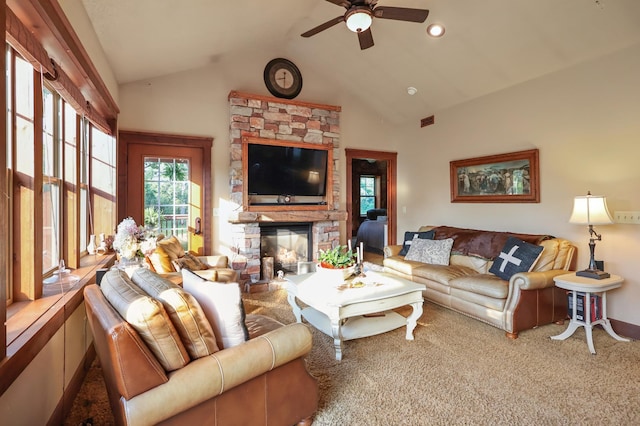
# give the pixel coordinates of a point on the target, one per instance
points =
(457, 371)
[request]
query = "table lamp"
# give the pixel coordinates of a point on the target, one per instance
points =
(591, 210)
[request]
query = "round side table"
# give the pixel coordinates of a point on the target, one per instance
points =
(588, 286)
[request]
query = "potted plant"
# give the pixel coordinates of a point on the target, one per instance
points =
(338, 261)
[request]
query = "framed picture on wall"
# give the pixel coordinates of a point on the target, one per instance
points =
(503, 178)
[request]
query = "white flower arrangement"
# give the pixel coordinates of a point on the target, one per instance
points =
(133, 241)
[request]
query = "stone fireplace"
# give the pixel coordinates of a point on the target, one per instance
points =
(267, 118)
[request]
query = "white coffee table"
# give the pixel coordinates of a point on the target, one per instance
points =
(342, 312)
(576, 284)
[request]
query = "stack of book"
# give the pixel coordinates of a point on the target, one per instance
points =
(596, 306)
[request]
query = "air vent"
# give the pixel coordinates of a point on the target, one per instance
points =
(427, 121)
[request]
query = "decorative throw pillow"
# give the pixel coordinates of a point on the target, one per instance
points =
(222, 305)
(147, 316)
(409, 237)
(435, 252)
(184, 310)
(189, 261)
(516, 256)
(166, 251)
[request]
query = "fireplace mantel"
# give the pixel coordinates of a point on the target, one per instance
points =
(289, 216)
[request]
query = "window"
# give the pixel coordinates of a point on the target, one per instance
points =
(103, 183)
(367, 194)
(50, 149)
(166, 196)
(51, 205)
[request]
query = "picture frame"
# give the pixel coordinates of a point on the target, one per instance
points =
(504, 178)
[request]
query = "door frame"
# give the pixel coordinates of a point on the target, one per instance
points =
(127, 137)
(392, 161)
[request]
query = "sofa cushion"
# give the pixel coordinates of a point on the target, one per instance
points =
(479, 264)
(485, 284)
(435, 252)
(555, 255)
(222, 305)
(184, 310)
(400, 264)
(516, 256)
(410, 235)
(147, 316)
(189, 261)
(443, 274)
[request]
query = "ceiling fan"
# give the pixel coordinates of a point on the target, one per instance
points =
(360, 14)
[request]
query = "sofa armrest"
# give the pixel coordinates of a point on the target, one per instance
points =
(210, 376)
(536, 280)
(392, 250)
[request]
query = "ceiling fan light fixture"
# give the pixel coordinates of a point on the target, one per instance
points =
(359, 19)
(435, 30)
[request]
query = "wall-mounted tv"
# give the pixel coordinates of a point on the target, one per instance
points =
(286, 170)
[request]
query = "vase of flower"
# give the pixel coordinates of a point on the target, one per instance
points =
(133, 242)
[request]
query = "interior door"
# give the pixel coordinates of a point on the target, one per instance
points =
(167, 183)
(391, 159)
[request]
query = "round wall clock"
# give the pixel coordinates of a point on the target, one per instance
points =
(283, 78)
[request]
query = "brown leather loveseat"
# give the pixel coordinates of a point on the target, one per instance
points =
(262, 381)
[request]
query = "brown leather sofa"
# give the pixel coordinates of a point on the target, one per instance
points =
(263, 381)
(525, 301)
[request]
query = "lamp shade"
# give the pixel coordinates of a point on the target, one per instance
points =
(314, 177)
(590, 210)
(359, 20)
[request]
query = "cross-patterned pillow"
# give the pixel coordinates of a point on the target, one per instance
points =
(516, 256)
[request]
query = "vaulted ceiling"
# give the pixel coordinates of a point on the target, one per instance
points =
(489, 45)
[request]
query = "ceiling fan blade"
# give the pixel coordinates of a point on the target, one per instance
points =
(323, 27)
(365, 38)
(401, 13)
(343, 3)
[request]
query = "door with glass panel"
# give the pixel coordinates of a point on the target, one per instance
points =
(165, 191)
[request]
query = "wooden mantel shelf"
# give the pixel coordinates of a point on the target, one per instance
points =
(289, 216)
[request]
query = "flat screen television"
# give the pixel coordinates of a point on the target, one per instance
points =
(286, 170)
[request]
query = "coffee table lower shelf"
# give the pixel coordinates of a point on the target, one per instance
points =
(355, 327)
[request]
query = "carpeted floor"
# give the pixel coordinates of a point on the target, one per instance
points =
(457, 371)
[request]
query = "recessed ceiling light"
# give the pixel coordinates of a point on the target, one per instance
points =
(412, 90)
(435, 30)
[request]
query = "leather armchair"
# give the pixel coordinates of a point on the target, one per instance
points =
(263, 381)
(169, 258)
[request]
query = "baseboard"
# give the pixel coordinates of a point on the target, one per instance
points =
(625, 329)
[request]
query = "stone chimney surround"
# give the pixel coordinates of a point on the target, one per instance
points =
(264, 117)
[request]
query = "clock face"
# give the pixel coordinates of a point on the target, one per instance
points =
(283, 78)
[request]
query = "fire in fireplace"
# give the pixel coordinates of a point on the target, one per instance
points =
(287, 243)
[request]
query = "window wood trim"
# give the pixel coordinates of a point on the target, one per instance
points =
(48, 24)
(4, 202)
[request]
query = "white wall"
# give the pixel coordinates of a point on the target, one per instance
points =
(585, 123)
(77, 15)
(33, 397)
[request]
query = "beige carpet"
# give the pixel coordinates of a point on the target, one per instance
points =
(457, 371)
